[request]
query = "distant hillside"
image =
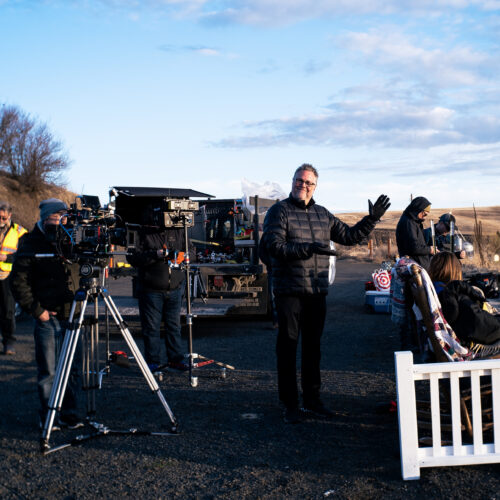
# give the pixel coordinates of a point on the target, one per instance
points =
(25, 204)
(489, 217)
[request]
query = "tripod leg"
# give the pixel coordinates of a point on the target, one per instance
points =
(91, 359)
(150, 379)
(63, 370)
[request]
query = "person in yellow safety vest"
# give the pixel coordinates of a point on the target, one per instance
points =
(10, 232)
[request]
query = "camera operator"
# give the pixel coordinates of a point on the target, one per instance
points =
(160, 288)
(10, 232)
(45, 287)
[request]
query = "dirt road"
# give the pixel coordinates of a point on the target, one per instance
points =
(233, 443)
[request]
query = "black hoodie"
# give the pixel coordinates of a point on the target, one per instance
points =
(410, 233)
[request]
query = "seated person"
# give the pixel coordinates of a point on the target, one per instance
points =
(462, 304)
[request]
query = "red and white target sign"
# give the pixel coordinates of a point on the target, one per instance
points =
(382, 280)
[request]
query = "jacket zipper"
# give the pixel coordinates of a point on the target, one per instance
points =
(314, 256)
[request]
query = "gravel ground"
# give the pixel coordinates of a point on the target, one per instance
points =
(232, 441)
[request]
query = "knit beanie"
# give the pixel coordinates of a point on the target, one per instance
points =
(51, 206)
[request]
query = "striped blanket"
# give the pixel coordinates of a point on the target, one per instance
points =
(450, 344)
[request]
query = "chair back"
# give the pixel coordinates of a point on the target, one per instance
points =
(441, 337)
(420, 297)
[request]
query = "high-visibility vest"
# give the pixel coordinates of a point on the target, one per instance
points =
(9, 245)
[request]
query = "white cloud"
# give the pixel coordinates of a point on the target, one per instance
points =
(372, 124)
(281, 12)
(197, 49)
(439, 65)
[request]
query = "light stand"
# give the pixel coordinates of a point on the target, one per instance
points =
(91, 289)
(193, 357)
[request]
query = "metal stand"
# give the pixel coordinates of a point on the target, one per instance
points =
(193, 357)
(91, 289)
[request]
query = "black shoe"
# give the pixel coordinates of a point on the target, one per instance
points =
(180, 366)
(318, 409)
(9, 350)
(293, 415)
(70, 421)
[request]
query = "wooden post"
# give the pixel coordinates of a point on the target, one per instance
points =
(370, 248)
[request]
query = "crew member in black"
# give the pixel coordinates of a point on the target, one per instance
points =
(160, 288)
(410, 232)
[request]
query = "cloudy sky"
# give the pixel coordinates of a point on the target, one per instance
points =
(383, 96)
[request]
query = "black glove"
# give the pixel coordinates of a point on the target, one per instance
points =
(381, 205)
(321, 248)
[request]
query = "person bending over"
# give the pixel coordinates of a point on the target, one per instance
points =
(463, 306)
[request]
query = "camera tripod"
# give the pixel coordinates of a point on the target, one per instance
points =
(91, 289)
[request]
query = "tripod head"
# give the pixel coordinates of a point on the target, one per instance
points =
(92, 273)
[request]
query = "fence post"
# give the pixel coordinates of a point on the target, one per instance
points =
(407, 414)
(370, 248)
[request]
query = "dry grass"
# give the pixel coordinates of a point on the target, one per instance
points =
(25, 204)
(489, 216)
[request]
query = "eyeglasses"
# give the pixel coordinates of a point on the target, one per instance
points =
(425, 213)
(301, 182)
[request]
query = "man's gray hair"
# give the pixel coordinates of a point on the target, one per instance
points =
(6, 207)
(308, 167)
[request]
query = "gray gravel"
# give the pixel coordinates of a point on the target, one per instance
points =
(232, 441)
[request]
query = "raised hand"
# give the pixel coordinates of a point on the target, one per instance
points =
(378, 209)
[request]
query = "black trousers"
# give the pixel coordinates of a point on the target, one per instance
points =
(7, 313)
(302, 316)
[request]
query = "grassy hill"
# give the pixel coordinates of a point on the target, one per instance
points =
(385, 231)
(25, 204)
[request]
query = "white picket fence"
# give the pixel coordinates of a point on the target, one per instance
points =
(413, 455)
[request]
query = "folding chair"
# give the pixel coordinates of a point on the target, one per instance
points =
(445, 348)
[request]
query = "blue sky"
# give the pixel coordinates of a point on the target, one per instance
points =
(398, 97)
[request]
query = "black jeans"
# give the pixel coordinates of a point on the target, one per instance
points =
(299, 315)
(7, 313)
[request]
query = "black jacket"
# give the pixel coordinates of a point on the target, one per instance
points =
(410, 236)
(289, 229)
(42, 283)
(155, 274)
(462, 308)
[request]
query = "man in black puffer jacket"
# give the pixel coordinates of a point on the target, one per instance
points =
(297, 235)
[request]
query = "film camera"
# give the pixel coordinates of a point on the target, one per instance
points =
(90, 231)
(175, 213)
(161, 207)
